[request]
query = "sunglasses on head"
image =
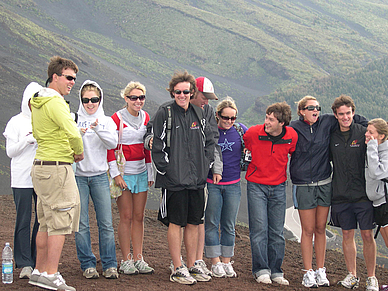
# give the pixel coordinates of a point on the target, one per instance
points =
(226, 118)
(134, 97)
(93, 100)
(312, 108)
(68, 77)
(178, 92)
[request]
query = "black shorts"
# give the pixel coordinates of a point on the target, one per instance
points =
(381, 214)
(182, 207)
(347, 215)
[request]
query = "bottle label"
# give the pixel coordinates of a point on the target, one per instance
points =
(7, 268)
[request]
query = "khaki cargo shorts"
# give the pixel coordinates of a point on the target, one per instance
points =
(58, 203)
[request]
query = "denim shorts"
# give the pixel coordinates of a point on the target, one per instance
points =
(309, 197)
(347, 215)
(137, 183)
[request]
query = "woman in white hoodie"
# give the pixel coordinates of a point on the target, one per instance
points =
(21, 147)
(376, 169)
(98, 135)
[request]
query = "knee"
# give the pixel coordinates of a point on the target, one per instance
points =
(138, 217)
(367, 237)
(308, 232)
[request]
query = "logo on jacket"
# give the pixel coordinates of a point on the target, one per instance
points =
(194, 125)
(354, 144)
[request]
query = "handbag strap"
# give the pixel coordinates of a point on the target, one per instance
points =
(120, 131)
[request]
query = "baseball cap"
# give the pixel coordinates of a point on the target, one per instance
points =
(206, 88)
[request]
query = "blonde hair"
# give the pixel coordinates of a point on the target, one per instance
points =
(381, 127)
(302, 103)
(228, 102)
(132, 85)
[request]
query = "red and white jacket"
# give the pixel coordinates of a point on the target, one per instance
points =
(138, 159)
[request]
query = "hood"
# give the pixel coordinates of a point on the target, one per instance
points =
(30, 91)
(44, 95)
(81, 110)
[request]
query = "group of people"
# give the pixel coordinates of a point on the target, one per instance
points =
(198, 154)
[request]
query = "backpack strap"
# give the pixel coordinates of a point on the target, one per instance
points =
(240, 131)
(169, 125)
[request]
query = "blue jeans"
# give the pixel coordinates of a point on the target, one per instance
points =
(266, 211)
(98, 188)
(24, 244)
(221, 212)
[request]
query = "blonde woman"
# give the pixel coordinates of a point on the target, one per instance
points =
(138, 176)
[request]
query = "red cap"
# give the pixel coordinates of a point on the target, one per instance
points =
(206, 88)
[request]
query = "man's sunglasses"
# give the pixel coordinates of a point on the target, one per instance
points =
(312, 108)
(68, 77)
(226, 118)
(178, 92)
(134, 97)
(93, 100)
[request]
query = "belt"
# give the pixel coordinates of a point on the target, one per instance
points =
(49, 163)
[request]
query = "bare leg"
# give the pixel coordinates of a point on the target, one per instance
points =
(384, 234)
(137, 231)
(201, 241)
(41, 251)
(125, 207)
(369, 249)
(320, 235)
(174, 238)
(54, 250)
(350, 251)
(307, 220)
(191, 242)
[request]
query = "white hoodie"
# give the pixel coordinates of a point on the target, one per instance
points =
(97, 140)
(21, 145)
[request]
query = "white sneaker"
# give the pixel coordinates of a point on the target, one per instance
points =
(265, 279)
(320, 277)
(182, 276)
(228, 268)
(26, 273)
(309, 279)
(218, 270)
(197, 273)
(202, 264)
(281, 281)
(372, 284)
(350, 282)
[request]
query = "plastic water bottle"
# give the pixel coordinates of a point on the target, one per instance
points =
(7, 256)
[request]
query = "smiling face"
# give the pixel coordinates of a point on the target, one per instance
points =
(90, 107)
(200, 100)
(272, 125)
(344, 116)
(182, 99)
(134, 107)
(371, 133)
(225, 117)
(310, 116)
(61, 84)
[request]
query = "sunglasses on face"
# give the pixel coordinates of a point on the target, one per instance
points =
(68, 77)
(178, 92)
(312, 108)
(134, 97)
(226, 118)
(93, 100)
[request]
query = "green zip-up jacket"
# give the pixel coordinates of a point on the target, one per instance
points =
(53, 128)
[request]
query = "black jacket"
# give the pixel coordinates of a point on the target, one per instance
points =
(310, 162)
(185, 164)
(348, 165)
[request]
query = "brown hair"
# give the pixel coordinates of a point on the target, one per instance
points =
(381, 127)
(302, 103)
(57, 65)
(341, 101)
(180, 77)
(282, 112)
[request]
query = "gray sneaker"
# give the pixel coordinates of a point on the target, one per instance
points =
(350, 282)
(111, 273)
(55, 282)
(143, 267)
(91, 273)
(25, 273)
(34, 278)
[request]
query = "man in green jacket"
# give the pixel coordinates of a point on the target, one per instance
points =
(59, 145)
